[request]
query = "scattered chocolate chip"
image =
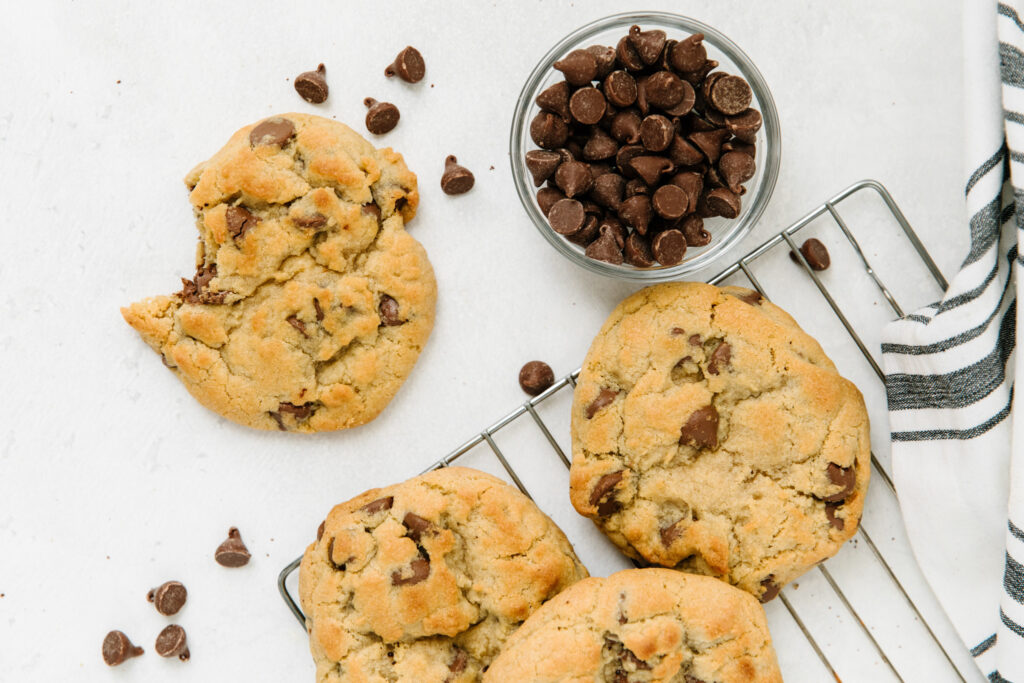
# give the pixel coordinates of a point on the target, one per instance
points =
(535, 377)
(542, 164)
(688, 54)
(579, 67)
(669, 247)
(845, 477)
(574, 178)
(771, 589)
(604, 486)
(232, 552)
(547, 197)
(416, 525)
(736, 168)
(656, 133)
(637, 251)
(670, 201)
(168, 598)
(587, 105)
(382, 117)
(723, 202)
(379, 505)
(730, 95)
(408, 66)
(456, 179)
(605, 248)
(815, 253)
(604, 398)
(390, 316)
(720, 358)
(566, 216)
(604, 56)
(117, 648)
(830, 514)
(274, 131)
(312, 86)
(636, 212)
(172, 643)
(555, 99)
(297, 324)
(701, 428)
(420, 570)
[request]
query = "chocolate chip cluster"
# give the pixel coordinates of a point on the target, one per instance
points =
(639, 144)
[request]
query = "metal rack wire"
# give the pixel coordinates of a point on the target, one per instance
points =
(784, 239)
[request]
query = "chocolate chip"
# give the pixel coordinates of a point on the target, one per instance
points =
(669, 247)
(417, 526)
(771, 589)
(390, 316)
(313, 220)
(637, 251)
(382, 117)
(604, 486)
(371, 209)
(736, 145)
(604, 56)
(628, 55)
(701, 428)
(408, 66)
(548, 130)
(232, 552)
(312, 86)
(651, 168)
(693, 230)
(685, 104)
(688, 54)
(613, 226)
(117, 648)
(320, 530)
(695, 340)
(379, 505)
(171, 643)
(815, 253)
(555, 99)
(830, 514)
(720, 358)
(297, 324)
(588, 233)
(723, 202)
(605, 248)
(670, 533)
(626, 126)
(664, 89)
(692, 184)
(196, 290)
(708, 84)
(641, 95)
(535, 377)
(683, 153)
(845, 477)
(604, 398)
(648, 44)
(587, 105)
(625, 155)
(710, 142)
(566, 216)
(599, 146)
(670, 201)
(634, 187)
(456, 179)
(420, 570)
(547, 197)
(575, 178)
(752, 297)
(636, 212)
(736, 168)
(542, 164)
(298, 411)
(274, 131)
(620, 88)
(745, 125)
(608, 190)
(656, 132)
(239, 221)
(698, 76)
(730, 95)
(168, 598)
(579, 67)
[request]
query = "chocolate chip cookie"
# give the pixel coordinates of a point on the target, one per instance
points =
(424, 580)
(711, 434)
(642, 625)
(310, 302)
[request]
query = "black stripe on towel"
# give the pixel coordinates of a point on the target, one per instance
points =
(972, 294)
(994, 677)
(1015, 530)
(1013, 579)
(1011, 14)
(958, 434)
(958, 388)
(1011, 624)
(983, 646)
(985, 167)
(1011, 65)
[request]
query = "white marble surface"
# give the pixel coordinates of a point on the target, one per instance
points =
(112, 479)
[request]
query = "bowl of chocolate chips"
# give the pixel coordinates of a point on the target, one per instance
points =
(644, 145)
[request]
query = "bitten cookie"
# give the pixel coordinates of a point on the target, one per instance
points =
(642, 625)
(711, 434)
(424, 581)
(310, 302)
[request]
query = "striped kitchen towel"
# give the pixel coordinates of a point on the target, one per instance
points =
(957, 443)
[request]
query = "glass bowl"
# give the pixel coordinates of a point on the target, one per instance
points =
(724, 232)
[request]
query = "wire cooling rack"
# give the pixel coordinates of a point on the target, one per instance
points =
(869, 623)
